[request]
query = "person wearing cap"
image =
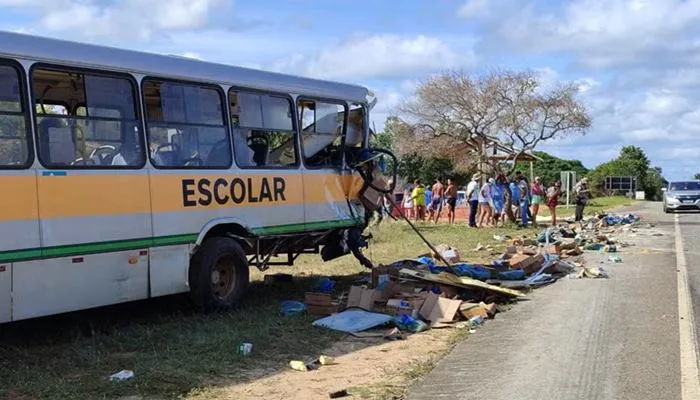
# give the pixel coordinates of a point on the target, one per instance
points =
(537, 197)
(473, 199)
(485, 203)
(583, 194)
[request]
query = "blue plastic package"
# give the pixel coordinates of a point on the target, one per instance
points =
(290, 308)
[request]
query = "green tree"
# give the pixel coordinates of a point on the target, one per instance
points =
(427, 169)
(653, 182)
(632, 161)
(550, 168)
(415, 164)
(697, 176)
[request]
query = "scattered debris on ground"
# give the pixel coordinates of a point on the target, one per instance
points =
(435, 291)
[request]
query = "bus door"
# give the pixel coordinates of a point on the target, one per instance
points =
(93, 195)
(331, 191)
(19, 214)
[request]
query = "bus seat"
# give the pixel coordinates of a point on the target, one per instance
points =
(170, 158)
(43, 130)
(127, 155)
(219, 155)
(61, 145)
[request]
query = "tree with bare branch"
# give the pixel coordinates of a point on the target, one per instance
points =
(464, 113)
(458, 115)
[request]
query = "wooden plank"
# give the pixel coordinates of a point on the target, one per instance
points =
(454, 280)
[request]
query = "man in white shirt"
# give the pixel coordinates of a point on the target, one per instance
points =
(473, 199)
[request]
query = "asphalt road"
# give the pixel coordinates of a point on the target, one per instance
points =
(616, 338)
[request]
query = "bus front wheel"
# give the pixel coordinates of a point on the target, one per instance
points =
(218, 274)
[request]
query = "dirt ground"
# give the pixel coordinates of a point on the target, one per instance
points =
(366, 367)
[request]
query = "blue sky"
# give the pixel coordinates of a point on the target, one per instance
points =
(636, 61)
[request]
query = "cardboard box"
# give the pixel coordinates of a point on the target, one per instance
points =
(362, 298)
(384, 273)
(438, 309)
(319, 299)
(530, 264)
(395, 289)
(471, 310)
(490, 308)
(322, 310)
(529, 242)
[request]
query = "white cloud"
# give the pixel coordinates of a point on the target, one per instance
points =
(379, 56)
(120, 20)
(474, 8)
(192, 55)
(604, 32)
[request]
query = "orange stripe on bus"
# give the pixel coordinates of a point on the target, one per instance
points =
(93, 195)
(18, 199)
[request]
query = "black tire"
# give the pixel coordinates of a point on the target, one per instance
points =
(218, 274)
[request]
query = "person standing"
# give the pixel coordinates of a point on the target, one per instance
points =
(485, 203)
(583, 193)
(537, 192)
(473, 199)
(524, 201)
(429, 202)
(451, 196)
(553, 194)
(438, 192)
(514, 197)
(498, 195)
(408, 201)
(519, 176)
(418, 196)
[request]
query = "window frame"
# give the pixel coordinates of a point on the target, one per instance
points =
(26, 113)
(225, 114)
(95, 72)
(295, 127)
(343, 134)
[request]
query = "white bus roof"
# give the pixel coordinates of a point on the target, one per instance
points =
(17, 45)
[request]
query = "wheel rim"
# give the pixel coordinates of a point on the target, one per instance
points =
(223, 277)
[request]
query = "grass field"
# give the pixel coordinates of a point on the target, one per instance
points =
(594, 206)
(176, 352)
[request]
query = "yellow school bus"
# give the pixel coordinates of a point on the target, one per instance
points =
(129, 175)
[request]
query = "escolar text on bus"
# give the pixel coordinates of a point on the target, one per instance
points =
(222, 191)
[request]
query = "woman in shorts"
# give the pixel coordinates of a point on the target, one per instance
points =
(408, 202)
(553, 194)
(485, 202)
(538, 196)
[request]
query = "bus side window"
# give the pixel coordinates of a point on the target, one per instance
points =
(322, 129)
(186, 125)
(263, 130)
(14, 143)
(86, 120)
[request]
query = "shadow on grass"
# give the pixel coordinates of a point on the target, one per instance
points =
(172, 349)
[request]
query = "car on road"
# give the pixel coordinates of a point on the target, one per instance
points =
(682, 195)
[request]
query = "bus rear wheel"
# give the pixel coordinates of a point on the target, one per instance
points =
(218, 274)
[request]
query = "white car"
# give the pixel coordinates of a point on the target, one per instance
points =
(684, 195)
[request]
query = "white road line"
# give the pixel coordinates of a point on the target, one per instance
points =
(690, 376)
